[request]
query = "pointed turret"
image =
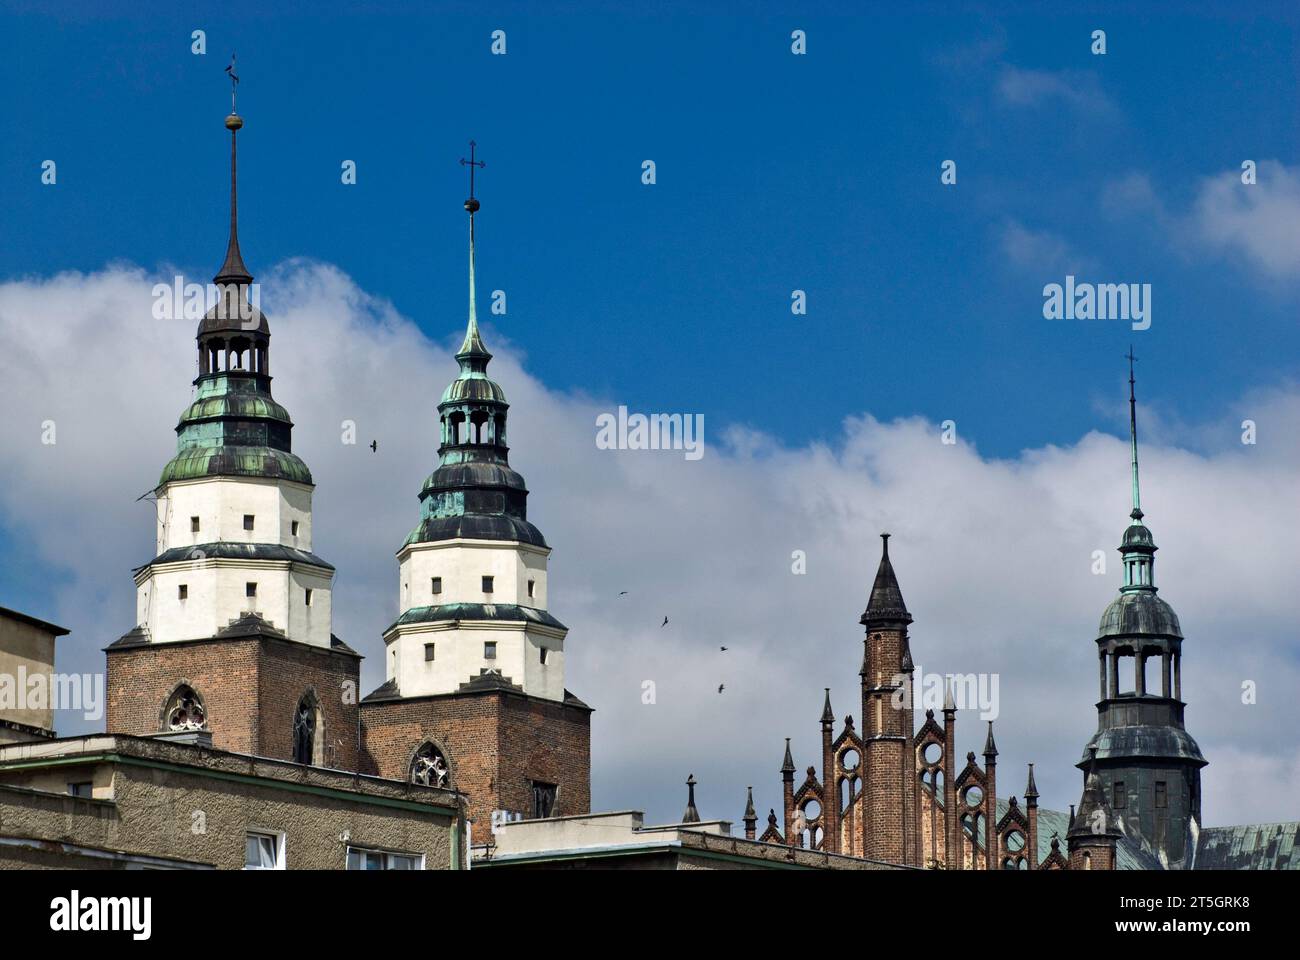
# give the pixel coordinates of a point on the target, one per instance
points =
(787, 765)
(691, 815)
(828, 715)
(990, 748)
(885, 605)
(750, 817)
(1031, 788)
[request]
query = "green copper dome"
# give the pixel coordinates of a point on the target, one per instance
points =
(474, 493)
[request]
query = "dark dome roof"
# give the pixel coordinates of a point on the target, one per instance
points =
(1138, 535)
(1139, 613)
(222, 320)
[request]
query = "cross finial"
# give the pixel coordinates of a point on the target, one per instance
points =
(234, 81)
(471, 204)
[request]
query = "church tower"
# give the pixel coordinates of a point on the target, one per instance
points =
(475, 696)
(889, 764)
(1147, 764)
(233, 612)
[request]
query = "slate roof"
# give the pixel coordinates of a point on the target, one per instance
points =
(477, 611)
(1251, 846)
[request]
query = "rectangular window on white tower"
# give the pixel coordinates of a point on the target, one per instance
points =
(487, 584)
(543, 651)
(194, 524)
(437, 585)
(250, 589)
(307, 593)
(248, 521)
(293, 528)
(532, 587)
(490, 650)
(183, 591)
(428, 651)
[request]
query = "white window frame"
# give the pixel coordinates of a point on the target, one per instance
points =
(276, 835)
(353, 848)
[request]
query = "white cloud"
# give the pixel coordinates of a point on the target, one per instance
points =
(1039, 250)
(1034, 88)
(993, 555)
(1256, 224)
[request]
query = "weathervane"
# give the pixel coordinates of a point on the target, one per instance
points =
(471, 204)
(234, 81)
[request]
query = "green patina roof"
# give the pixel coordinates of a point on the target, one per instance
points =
(234, 428)
(477, 611)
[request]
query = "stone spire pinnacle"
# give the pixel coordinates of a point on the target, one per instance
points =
(1031, 788)
(828, 715)
(787, 765)
(885, 605)
(749, 805)
(990, 748)
(691, 815)
(233, 269)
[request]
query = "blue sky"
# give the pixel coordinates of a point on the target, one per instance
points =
(775, 172)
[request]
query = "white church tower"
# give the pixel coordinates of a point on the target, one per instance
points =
(472, 574)
(234, 504)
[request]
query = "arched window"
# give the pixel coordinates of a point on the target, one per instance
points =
(308, 730)
(429, 767)
(185, 711)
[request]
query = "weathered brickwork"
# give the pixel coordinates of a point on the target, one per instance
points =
(497, 744)
(250, 688)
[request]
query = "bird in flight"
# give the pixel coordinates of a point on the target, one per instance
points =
(724, 649)
(664, 624)
(622, 593)
(374, 446)
(721, 687)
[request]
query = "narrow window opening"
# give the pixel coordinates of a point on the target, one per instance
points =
(487, 584)
(543, 653)
(183, 591)
(1119, 795)
(428, 652)
(293, 528)
(490, 650)
(250, 589)
(437, 585)
(1162, 794)
(307, 595)
(543, 799)
(532, 587)
(248, 521)
(194, 524)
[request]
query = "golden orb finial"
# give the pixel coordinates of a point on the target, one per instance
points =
(234, 121)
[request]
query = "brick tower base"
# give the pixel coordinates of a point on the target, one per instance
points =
(498, 742)
(250, 680)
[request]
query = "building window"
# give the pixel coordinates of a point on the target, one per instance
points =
(250, 589)
(532, 588)
(248, 521)
(185, 711)
(429, 767)
(264, 851)
(437, 585)
(307, 595)
(306, 728)
(82, 788)
(1162, 794)
(543, 799)
(293, 528)
(382, 860)
(183, 592)
(490, 650)
(194, 524)
(428, 651)
(542, 652)
(1120, 796)
(487, 584)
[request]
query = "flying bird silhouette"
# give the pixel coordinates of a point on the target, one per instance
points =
(622, 593)
(721, 687)
(664, 624)
(374, 446)
(724, 649)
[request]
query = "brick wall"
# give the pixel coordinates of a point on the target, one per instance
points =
(250, 688)
(496, 743)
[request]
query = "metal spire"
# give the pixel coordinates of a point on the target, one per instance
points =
(472, 350)
(233, 269)
(1133, 435)
(691, 815)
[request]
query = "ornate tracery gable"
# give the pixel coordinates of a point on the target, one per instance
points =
(429, 766)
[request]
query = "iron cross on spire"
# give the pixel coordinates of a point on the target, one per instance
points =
(471, 204)
(234, 81)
